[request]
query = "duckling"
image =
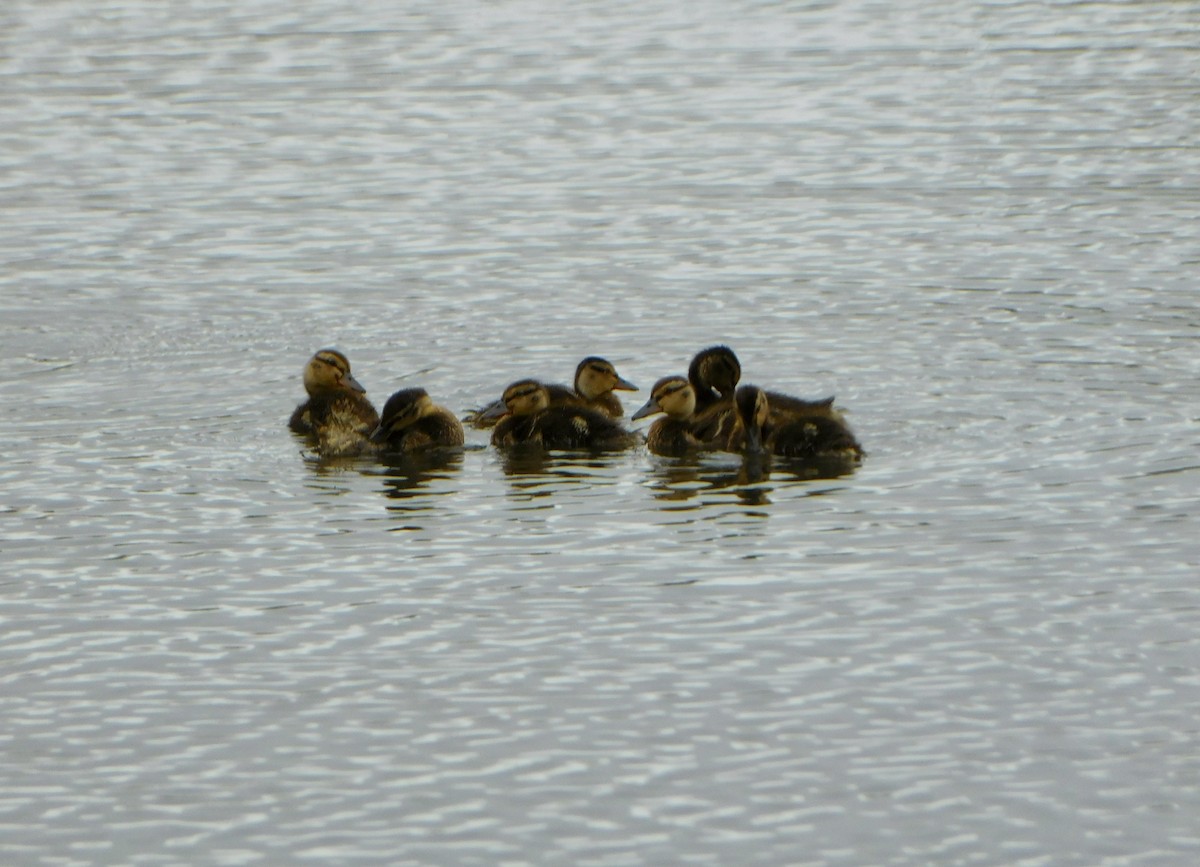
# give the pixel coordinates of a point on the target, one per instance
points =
(595, 381)
(751, 419)
(412, 421)
(815, 436)
(674, 434)
(531, 418)
(714, 374)
(337, 417)
(716, 371)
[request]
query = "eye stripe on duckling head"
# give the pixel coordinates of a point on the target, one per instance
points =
(667, 386)
(334, 359)
(524, 397)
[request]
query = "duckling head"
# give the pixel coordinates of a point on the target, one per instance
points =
(752, 408)
(672, 395)
(328, 372)
(596, 376)
(526, 397)
(403, 408)
(716, 369)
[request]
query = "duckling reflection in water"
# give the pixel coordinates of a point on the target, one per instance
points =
(412, 421)
(757, 430)
(595, 381)
(532, 419)
(337, 418)
(676, 433)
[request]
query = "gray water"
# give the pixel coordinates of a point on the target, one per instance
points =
(975, 223)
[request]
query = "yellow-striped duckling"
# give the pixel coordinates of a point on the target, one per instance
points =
(675, 433)
(532, 419)
(412, 421)
(814, 436)
(337, 417)
(595, 381)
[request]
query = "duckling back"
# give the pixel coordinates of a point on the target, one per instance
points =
(412, 421)
(439, 428)
(581, 428)
(786, 405)
(814, 436)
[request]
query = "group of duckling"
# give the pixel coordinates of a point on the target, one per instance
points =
(707, 410)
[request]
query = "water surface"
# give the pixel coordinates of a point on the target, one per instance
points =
(975, 224)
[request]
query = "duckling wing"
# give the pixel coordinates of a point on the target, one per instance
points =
(514, 430)
(713, 425)
(301, 420)
(441, 429)
(564, 395)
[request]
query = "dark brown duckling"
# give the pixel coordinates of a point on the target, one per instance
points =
(337, 418)
(531, 419)
(412, 421)
(716, 371)
(675, 433)
(714, 374)
(758, 430)
(595, 381)
(750, 426)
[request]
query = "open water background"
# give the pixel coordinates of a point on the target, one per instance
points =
(975, 222)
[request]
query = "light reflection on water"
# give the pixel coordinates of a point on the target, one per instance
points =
(974, 223)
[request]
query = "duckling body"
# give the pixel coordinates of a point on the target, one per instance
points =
(680, 430)
(531, 419)
(337, 417)
(412, 421)
(819, 435)
(595, 381)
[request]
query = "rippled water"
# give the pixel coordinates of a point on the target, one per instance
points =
(973, 222)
